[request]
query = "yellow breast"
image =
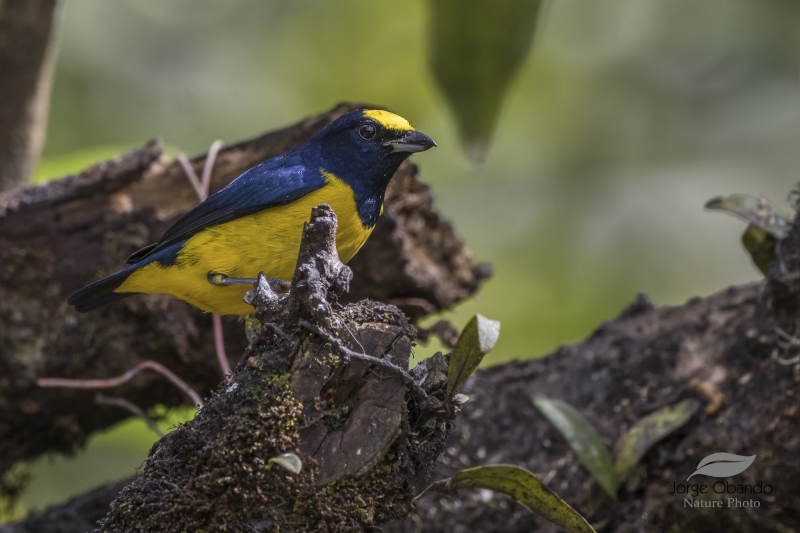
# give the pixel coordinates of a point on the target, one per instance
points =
(268, 242)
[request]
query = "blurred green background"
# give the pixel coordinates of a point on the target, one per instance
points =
(623, 120)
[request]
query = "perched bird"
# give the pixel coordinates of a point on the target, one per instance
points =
(254, 224)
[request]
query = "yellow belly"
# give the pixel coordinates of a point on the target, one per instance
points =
(267, 242)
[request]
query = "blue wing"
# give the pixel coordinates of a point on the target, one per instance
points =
(275, 182)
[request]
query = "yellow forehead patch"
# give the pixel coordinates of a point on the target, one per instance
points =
(388, 120)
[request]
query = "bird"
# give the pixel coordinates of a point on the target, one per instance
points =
(254, 224)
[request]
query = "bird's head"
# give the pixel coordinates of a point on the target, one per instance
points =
(372, 136)
(364, 148)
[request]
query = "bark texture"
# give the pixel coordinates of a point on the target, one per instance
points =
(28, 49)
(725, 350)
(57, 237)
(642, 360)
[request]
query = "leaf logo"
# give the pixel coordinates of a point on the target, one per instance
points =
(723, 465)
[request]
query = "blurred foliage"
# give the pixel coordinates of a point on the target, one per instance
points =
(629, 449)
(13, 483)
(757, 211)
(765, 229)
(58, 166)
(11, 510)
(521, 486)
(110, 456)
(476, 49)
(624, 118)
(584, 440)
(62, 165)
(760, 245)
(633, 445)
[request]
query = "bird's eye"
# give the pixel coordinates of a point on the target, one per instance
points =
(367, 131)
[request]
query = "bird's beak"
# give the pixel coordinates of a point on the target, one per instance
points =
(412, 141)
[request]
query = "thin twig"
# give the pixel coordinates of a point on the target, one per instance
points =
(787, 362)
(119, 380)
(277, 330)
(201, 187)
(190, 173)
(211, 158)
(219, 345)
(791, 339)
(130, 406)
(404, 376)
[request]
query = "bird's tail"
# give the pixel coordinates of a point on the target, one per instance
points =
(101, 292)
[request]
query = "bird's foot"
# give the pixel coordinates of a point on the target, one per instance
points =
(279, 286)
(276, 284)
(222, 280)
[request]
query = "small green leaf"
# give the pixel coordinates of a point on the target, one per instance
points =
(634, 444)
(477, 47)
(757, 211)
(521, 486)
(583, 439)
(760, 245)
(462, 398)
(476, 340)
(766, 225)
(289, 461)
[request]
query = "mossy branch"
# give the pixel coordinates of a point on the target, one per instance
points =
(354, 423)
(57, 236)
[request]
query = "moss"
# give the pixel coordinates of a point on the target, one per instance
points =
(280, 382)
(212, 473)
(225, 463)
(336, 419)
(376, 497)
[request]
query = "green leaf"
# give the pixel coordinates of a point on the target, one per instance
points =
(477, 46)
(632, 446)
(476, 340)
(584, 439)
(521, 486)
(757, 211)
(289, 461)
(760, 245)
(766, 225)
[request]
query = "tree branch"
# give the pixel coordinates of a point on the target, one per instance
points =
(28, 51)
(642, 360)
(362, 439)
(627, 368)
(647, 358)
(57, 237)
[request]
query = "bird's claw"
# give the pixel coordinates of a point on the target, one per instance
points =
(222, 280)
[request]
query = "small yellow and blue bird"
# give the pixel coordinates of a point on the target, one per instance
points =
(254, 224)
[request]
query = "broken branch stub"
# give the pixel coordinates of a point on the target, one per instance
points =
(322, 381)
(320, 277)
